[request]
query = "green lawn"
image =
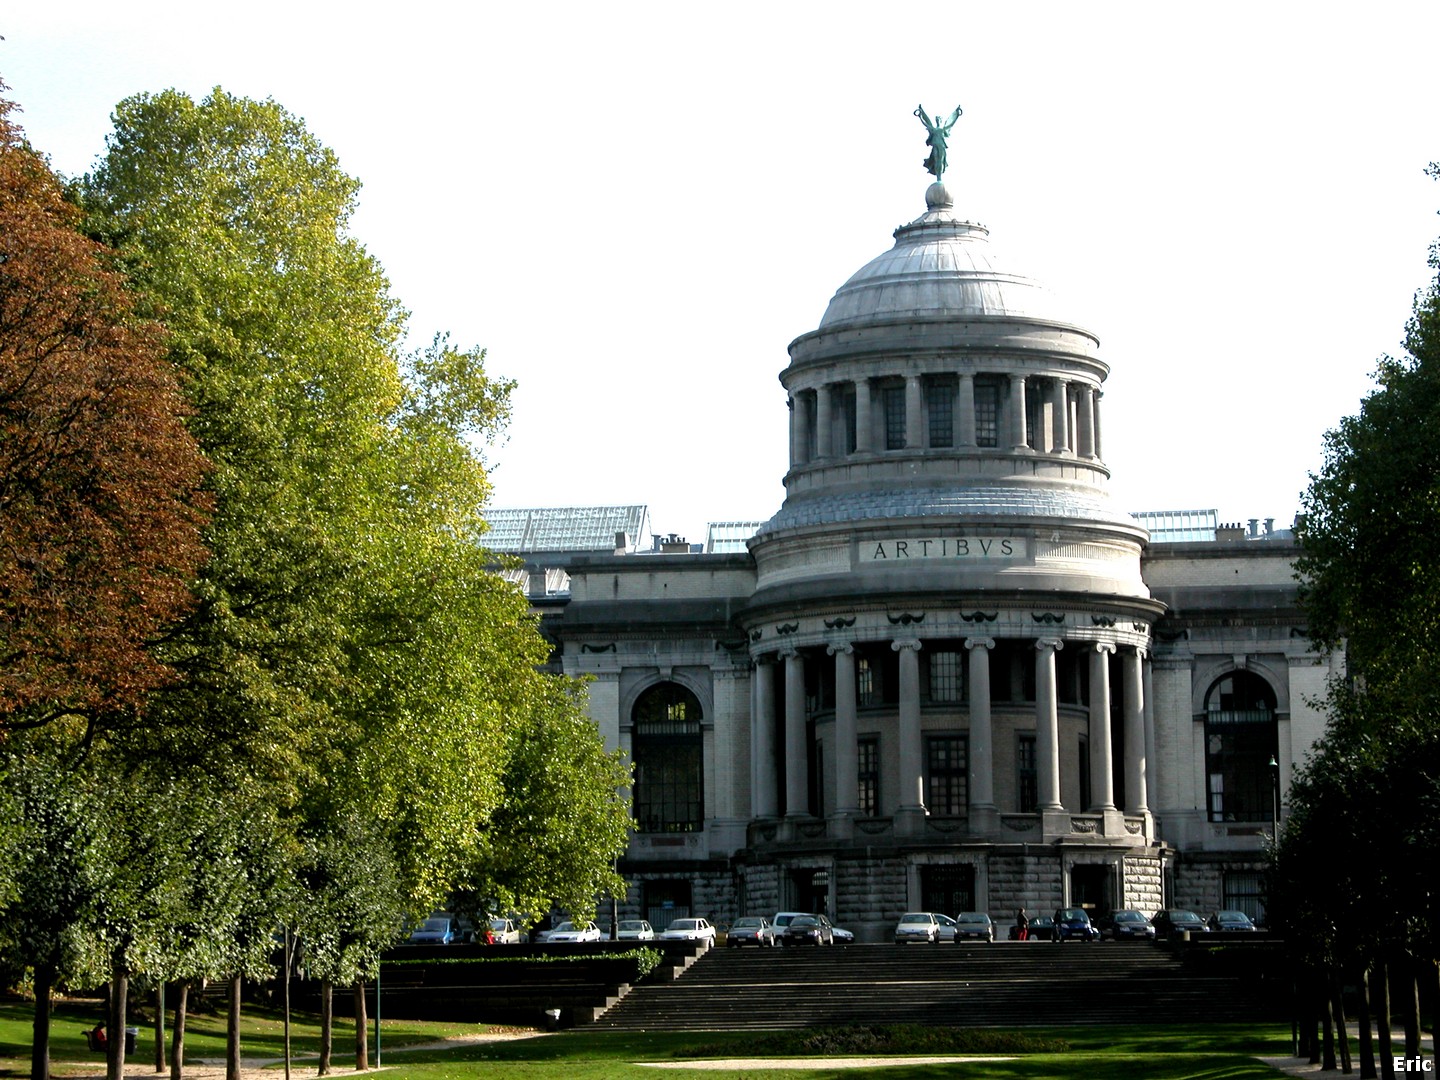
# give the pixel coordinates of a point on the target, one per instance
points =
(1142, 1053)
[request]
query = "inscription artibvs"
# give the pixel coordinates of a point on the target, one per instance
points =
(942, 547)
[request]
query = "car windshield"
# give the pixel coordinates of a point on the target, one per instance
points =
(742, 923)
(1074, 914)
(564, 927)
(972, 917)
(436, 925)
(631, 924)
(1129, 916)
(804, 920)
(684, 924)
(914, 918)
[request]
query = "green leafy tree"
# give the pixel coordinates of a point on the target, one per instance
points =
(1355, 868)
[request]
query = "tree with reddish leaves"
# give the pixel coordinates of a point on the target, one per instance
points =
(100, 482)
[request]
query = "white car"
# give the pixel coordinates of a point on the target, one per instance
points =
(917, 926)
(948, 927)
(635, 930)
(689, 930)
(503, 932)
(568, 931)
(782, 920)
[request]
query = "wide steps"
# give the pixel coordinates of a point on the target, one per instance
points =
(1005, 984)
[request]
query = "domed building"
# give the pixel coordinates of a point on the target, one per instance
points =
(949, 673)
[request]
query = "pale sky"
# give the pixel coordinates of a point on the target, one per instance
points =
(635, 207)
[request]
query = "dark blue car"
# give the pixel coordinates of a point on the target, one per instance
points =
(1073, 924)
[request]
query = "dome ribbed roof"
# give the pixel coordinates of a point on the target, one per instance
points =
(940, 267)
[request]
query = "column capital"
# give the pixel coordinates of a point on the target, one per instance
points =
(839, 647)
(901, 644)
(1053, 643)
(789, 652)
(979, 643)
(1103, 646)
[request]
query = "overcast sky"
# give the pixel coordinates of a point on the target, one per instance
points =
(636, 207)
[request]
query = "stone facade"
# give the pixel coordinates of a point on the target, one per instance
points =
(948, 673)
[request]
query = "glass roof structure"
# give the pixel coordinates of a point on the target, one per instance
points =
(1179, 526)
(566, 528)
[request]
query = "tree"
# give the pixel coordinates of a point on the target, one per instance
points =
(352, 645)
(1354, 871)
(99, 478)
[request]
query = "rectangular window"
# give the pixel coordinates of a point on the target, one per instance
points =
(847, 414)
(868, 754)
(987, 413)
(1244, 890)
(940, 410)
(1027, 796)
(893, 398)
(1035, 411)
(945, 676)
(864, 682)
(946, 767)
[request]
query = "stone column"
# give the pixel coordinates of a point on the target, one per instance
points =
(1047, 724)
(762, 742)
(796, 762)
(984, 815)
(1152, 775)
(1102, 776)
(965, 409)
(1019, 440)
(794, 407)
(824, 406)
(864, 431)
(914, 414)
(847, 777)
(801, 416)
(1134, 706)
(1085, 421)
(1099, 453)
(1059, 417)
(911, 810)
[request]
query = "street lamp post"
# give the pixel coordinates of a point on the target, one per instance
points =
(1274, 801)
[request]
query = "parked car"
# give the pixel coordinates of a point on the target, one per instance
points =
(1042, 928)
(947, 927)
(569, 931)
(436, 930)
(751, 930)
(809, 930)
(502, 932)
(842, 936)
(635, 930)
(917, 926)
(1073, 924)
(1127, 925)
(689, 930)
(1225, 922)
(1171, 922)
(973, 926)
(782, 920)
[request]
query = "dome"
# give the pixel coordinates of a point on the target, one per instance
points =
(940, 268)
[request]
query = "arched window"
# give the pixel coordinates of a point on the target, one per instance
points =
(665, 745)
(1240, 743)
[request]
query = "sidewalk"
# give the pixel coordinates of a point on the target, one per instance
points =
(1302, 1067)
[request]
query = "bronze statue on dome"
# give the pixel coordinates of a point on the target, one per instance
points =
(938, 133)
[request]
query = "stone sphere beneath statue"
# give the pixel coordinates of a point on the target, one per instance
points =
(937, 197)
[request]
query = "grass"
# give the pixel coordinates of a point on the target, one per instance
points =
(1121, 1052)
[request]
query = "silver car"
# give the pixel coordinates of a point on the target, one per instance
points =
(917, 926)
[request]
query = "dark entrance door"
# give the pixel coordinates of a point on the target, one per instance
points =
(811, 889)
(665, 901)
(1092, 888)
(947, 889)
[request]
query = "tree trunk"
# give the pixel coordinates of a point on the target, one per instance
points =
(1409, 1002)
(1327, 1017)
(115, 1037)
(1382, 1019)
(160, 1026)
(1337, 995)
(177, 1032)
(327, 1025)
(40, 1043)
(232, 1031)
(1365, 1023)
(362, 1045)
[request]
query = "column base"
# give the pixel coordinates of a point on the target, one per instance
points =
(1054, 823)
(985, 822)
(841, 825)
(910, 821)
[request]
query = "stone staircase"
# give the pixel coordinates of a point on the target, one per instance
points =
(974, 985)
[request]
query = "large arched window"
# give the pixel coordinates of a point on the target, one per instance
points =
(665, 744)
(1240, 743)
